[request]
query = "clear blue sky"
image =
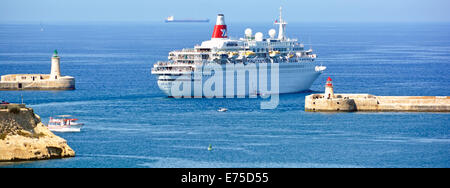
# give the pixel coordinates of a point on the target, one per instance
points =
(234, 10)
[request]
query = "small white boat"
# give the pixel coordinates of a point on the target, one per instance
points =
(222, 110)
(64, 123)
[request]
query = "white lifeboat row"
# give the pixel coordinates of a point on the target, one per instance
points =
(250, 54)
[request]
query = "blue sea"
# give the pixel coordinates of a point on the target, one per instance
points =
(129, 122)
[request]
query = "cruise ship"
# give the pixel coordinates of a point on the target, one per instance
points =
(249, 66)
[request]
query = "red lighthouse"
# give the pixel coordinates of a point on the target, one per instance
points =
(329, 93)
(329, 82)
(220, 29)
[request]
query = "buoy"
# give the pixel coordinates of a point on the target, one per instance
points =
(210, 147)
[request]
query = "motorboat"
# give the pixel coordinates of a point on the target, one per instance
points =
(64, 123)
(222, 110)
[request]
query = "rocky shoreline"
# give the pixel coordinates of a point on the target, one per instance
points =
(23, 136)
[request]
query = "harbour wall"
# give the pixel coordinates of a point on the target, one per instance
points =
(367, 102)
(61, 83)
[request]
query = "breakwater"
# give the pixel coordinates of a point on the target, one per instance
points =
(329, 101)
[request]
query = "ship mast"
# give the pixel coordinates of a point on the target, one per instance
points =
(282, 27)
(281, 11)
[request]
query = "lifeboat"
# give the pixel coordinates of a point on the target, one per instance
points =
(274, 53)
(232, 55)
(246, 54)
(249, 54)
(291, 55)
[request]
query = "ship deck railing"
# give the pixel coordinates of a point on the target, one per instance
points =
(195, 62)
(184, 50)
(177, 64)
(160, 70)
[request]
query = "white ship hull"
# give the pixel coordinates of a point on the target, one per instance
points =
(292, 78)
(249, 66)
(65, 128)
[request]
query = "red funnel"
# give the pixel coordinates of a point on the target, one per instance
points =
(220, 29)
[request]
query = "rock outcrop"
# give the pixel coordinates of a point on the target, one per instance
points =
(24, 137)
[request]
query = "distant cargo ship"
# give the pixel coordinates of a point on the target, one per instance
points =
(172, 19)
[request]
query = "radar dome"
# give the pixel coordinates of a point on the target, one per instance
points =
(248, 32)
(259, 36)
(272, 33)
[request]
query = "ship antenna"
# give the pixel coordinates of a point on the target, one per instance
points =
(281, 10)
(309, 41)
(282, 26)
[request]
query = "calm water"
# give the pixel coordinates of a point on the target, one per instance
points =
(131, 123)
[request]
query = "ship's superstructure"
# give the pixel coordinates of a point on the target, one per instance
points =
(296, 66)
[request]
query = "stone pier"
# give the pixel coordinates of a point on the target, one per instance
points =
(366, 102)
(52, 81)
